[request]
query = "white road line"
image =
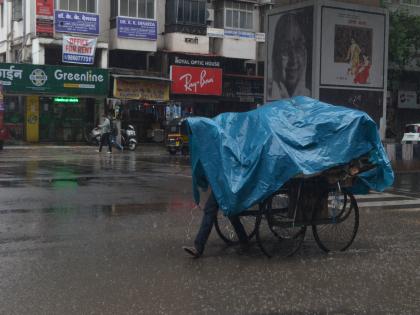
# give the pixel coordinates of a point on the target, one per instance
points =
(406, 210)
(388, 203)
(381, 195)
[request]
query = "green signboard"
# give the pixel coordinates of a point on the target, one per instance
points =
(53, 80)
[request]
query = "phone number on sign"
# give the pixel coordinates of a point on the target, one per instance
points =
(78, 59)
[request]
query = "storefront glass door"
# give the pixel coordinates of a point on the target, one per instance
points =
(62, 119)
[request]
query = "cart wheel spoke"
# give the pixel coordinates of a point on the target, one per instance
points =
(339, 234)
(276, 235)
(226, 231)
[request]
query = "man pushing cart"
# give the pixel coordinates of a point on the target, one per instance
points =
(285, 166)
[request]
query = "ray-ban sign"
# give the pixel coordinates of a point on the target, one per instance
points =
(196, 80)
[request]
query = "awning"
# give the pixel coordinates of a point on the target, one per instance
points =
(139, 77)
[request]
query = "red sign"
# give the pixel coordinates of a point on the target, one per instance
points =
(45, 7)
(195, 80)
(45, 28)
(45, 18)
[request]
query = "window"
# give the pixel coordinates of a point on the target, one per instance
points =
(239, 15)
(17, 14)
(191, 12)
(1, 16)
(411, 2)
(137, 8)
(78, 5)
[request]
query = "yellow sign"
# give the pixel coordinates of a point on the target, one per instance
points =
(141, 90)
(32, 118)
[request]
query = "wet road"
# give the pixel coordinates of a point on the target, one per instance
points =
(88, 233)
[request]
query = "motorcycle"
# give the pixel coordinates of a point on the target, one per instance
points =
(128, 138)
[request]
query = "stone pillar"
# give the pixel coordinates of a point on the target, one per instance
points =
(407, 151)
(38, 52)
(391, 151)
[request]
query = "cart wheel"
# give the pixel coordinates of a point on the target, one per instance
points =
(340, 233)
(276, 234)
(226, 231)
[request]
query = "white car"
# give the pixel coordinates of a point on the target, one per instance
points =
(411, 133)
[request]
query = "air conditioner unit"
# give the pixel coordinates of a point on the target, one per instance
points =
(210, 15)
(266, 2)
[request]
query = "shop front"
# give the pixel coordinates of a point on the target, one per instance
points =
(141, 102)
(196, 85)
(242, 93)
(45, 103)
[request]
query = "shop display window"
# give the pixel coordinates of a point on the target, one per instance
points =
(14, 118)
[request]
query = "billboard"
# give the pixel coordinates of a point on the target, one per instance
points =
(289, 43)
(352, 48)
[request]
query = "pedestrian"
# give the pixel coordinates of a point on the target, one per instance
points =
(209, 217)
(106, 134)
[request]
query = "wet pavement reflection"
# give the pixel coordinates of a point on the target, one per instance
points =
(89, 233)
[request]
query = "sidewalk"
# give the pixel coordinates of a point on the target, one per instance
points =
(401, 166)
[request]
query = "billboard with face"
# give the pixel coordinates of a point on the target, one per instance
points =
(289, 53)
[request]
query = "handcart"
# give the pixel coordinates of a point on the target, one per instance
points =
(322, 201)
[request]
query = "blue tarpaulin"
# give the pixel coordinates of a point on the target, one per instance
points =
(246, 157)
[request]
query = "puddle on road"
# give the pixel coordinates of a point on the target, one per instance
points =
(107, 210)
(136, 209)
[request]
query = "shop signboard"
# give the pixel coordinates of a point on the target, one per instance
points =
(239, 34)
(76, 22)
(408, 99)
(215, 32)
(45, 18)
(53, 80)
(79, 50)
(149, 90)
(136, 28)
(196, 80)
(195, 61)
(1, 99)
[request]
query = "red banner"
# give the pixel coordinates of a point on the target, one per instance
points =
(195, 80)
(45, 7)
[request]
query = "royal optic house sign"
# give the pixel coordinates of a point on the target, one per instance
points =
(42, 79)
(196, 80)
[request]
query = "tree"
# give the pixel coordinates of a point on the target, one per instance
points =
(404, 43)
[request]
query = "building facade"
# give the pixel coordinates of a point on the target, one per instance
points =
(163, 59)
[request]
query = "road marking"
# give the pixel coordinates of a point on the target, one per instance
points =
(406, 210)
(380, 195)
(372, 204)
(388, 200)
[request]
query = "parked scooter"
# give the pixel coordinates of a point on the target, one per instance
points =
(129, 138)
(95, 136)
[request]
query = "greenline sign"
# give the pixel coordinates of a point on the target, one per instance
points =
(53, 80)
